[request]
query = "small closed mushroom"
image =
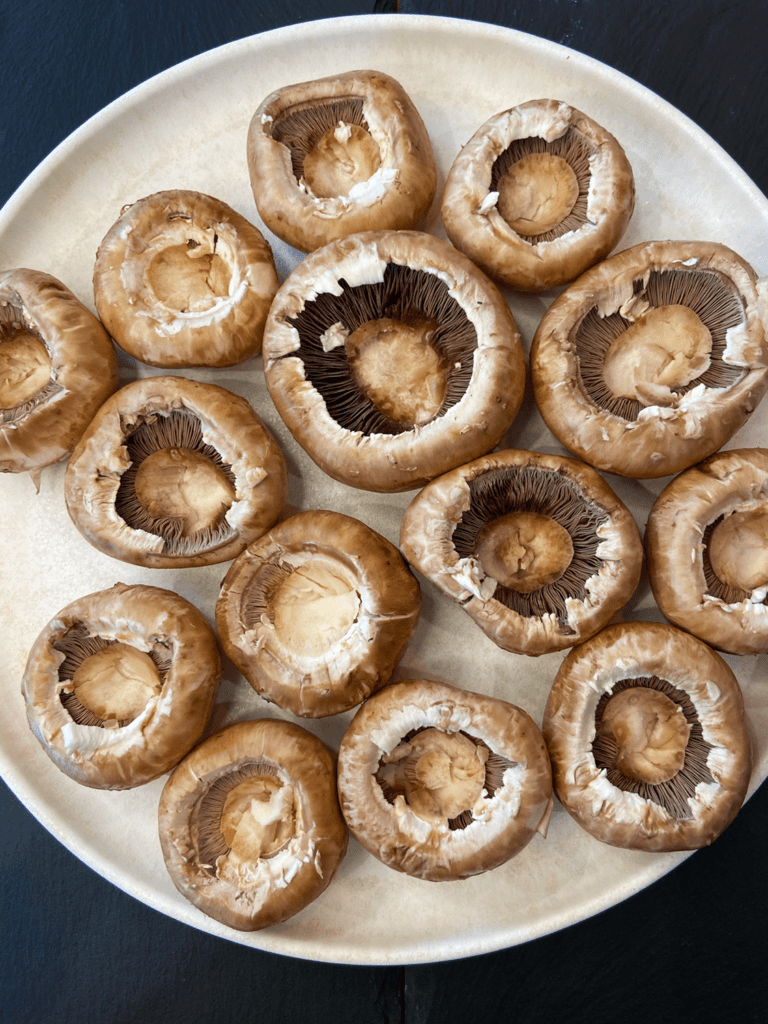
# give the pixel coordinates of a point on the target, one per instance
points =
(442, 783)
(338, 155)
(537, 549)
(391, 359)
(653, 359)
(540, 193)
(57, 366)
(250, 825)
(181, 279)
(707, 546)
(120, 685)
(646, 730)
(175, 473)
(317, 613)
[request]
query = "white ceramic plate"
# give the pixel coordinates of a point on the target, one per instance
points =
(187, 129)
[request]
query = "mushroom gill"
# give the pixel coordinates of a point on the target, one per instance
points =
(389, 355)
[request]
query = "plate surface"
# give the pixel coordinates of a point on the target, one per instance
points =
(187, 129)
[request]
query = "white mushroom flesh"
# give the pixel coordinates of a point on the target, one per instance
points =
(25, 368)
(524, 550)
(117, 682)
(183, 484)
(191, 276)
(343, 157)
(536, 193)
(738, 550)
(316, 605)
(258, 820)
(651, 732)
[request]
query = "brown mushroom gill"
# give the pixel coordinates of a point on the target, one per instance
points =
(248, 812)
(330, 145)
(405, 356)
(177, 487)
(441, 774)
(712, 306)
(680, 784)
(25, 366)
(108, 682)
(735, 556)
(546, 493)
(544, 186)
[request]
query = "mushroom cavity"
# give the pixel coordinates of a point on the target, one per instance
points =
(339, 155)
(121, 684)
(175, 473)
(250, 825)
(646, 730)
(539, 194)
(537, 549)
(318, 612)
(391, 358)
(707, 545)
(181, 279)
(57, 366)
(442, 783)
(652, 359)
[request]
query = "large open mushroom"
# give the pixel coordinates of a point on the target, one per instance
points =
(181, 279)
(175, 473)
(442, 783)
(707, 546)
(653, 359)
(540, 193)
(339, 155)
(391, 359)
(317, 613)
(537, 549)
(250, 825)
(57, 366)
(120, 685)
(646, 730)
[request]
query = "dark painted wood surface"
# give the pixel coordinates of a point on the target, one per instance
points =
(74, 948)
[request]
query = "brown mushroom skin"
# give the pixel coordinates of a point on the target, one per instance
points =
(663, 441)
(307, 222)
(482, 232)
(300, 758)
(406, 460)
(426, 540)
(406, 842)
(723, 484)
(355, 665)
(99, 460)
(225, 325)
(144, 617)
(635, 650)
(83, 367)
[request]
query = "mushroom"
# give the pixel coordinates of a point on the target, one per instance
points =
(707, 546)
(653, 359)
(540, 193)
(183, 280)
(646, 730)
(339, 155)
(391, 359)
(317, 613)
(57, 366)
(537, 549)
(174, 473)
(250, 825)
(120, 685)
(441, 783)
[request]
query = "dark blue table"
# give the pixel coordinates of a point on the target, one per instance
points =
(74, 948)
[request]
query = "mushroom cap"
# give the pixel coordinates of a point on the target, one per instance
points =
(359, 280)
(183, 280)
(283, 883)
(225, 426)
(83, 364)
(441, 526)
(167, 629)
(678, 536)
(702, 685)
(498, 825)
(352, 574)
(396, 196)
(671, 427)
(606, 195)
